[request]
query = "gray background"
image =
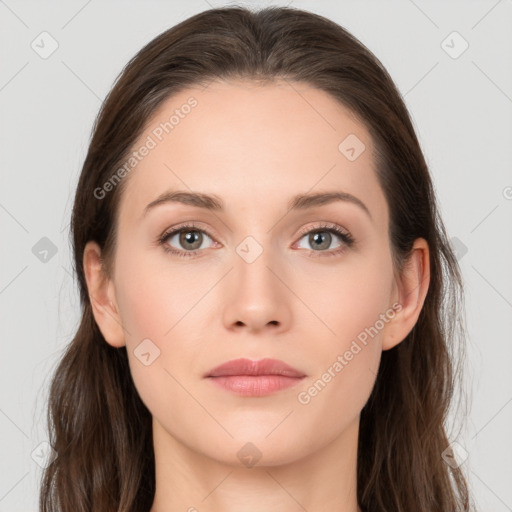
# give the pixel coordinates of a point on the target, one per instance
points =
(461, 108)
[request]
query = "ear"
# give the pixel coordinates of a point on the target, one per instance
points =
(102, 296)
(410, 291)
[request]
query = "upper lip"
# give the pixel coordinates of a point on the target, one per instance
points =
(248, 367)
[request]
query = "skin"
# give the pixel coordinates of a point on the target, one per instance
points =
(254, 146)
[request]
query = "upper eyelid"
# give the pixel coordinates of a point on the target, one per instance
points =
(327, 225)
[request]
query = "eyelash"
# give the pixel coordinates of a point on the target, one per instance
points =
(347, 239)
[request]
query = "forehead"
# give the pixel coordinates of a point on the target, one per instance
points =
(254, 146)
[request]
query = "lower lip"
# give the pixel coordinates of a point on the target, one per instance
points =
(249, 385)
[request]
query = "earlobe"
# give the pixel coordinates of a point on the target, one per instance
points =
(412, 287)
(102, 296)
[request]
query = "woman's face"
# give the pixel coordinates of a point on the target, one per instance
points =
(251, 279)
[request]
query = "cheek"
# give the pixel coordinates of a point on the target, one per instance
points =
(347, 298)
(353, 304)
(347, 361)
(159, 309)
(153, 298)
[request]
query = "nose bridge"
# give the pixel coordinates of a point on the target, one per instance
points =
(256, 245)
(254, 258)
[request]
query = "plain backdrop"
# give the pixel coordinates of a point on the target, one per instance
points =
(450, 60)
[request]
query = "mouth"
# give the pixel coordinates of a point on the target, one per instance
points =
(255, 378)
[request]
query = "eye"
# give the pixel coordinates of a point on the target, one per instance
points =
(321, 237)
(189, 237)
(190, 240)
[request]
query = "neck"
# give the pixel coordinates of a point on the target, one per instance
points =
(325, 479)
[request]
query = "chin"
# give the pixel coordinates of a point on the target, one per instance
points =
(258, 451)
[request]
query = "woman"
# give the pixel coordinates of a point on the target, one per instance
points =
(269, 296)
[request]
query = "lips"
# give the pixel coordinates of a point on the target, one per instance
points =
(255, 368)
(248, 378)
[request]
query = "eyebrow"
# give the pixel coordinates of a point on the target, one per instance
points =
(215, 203)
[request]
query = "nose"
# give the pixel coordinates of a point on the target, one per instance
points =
(258, 296)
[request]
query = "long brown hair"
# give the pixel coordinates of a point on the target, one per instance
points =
(98, 425)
